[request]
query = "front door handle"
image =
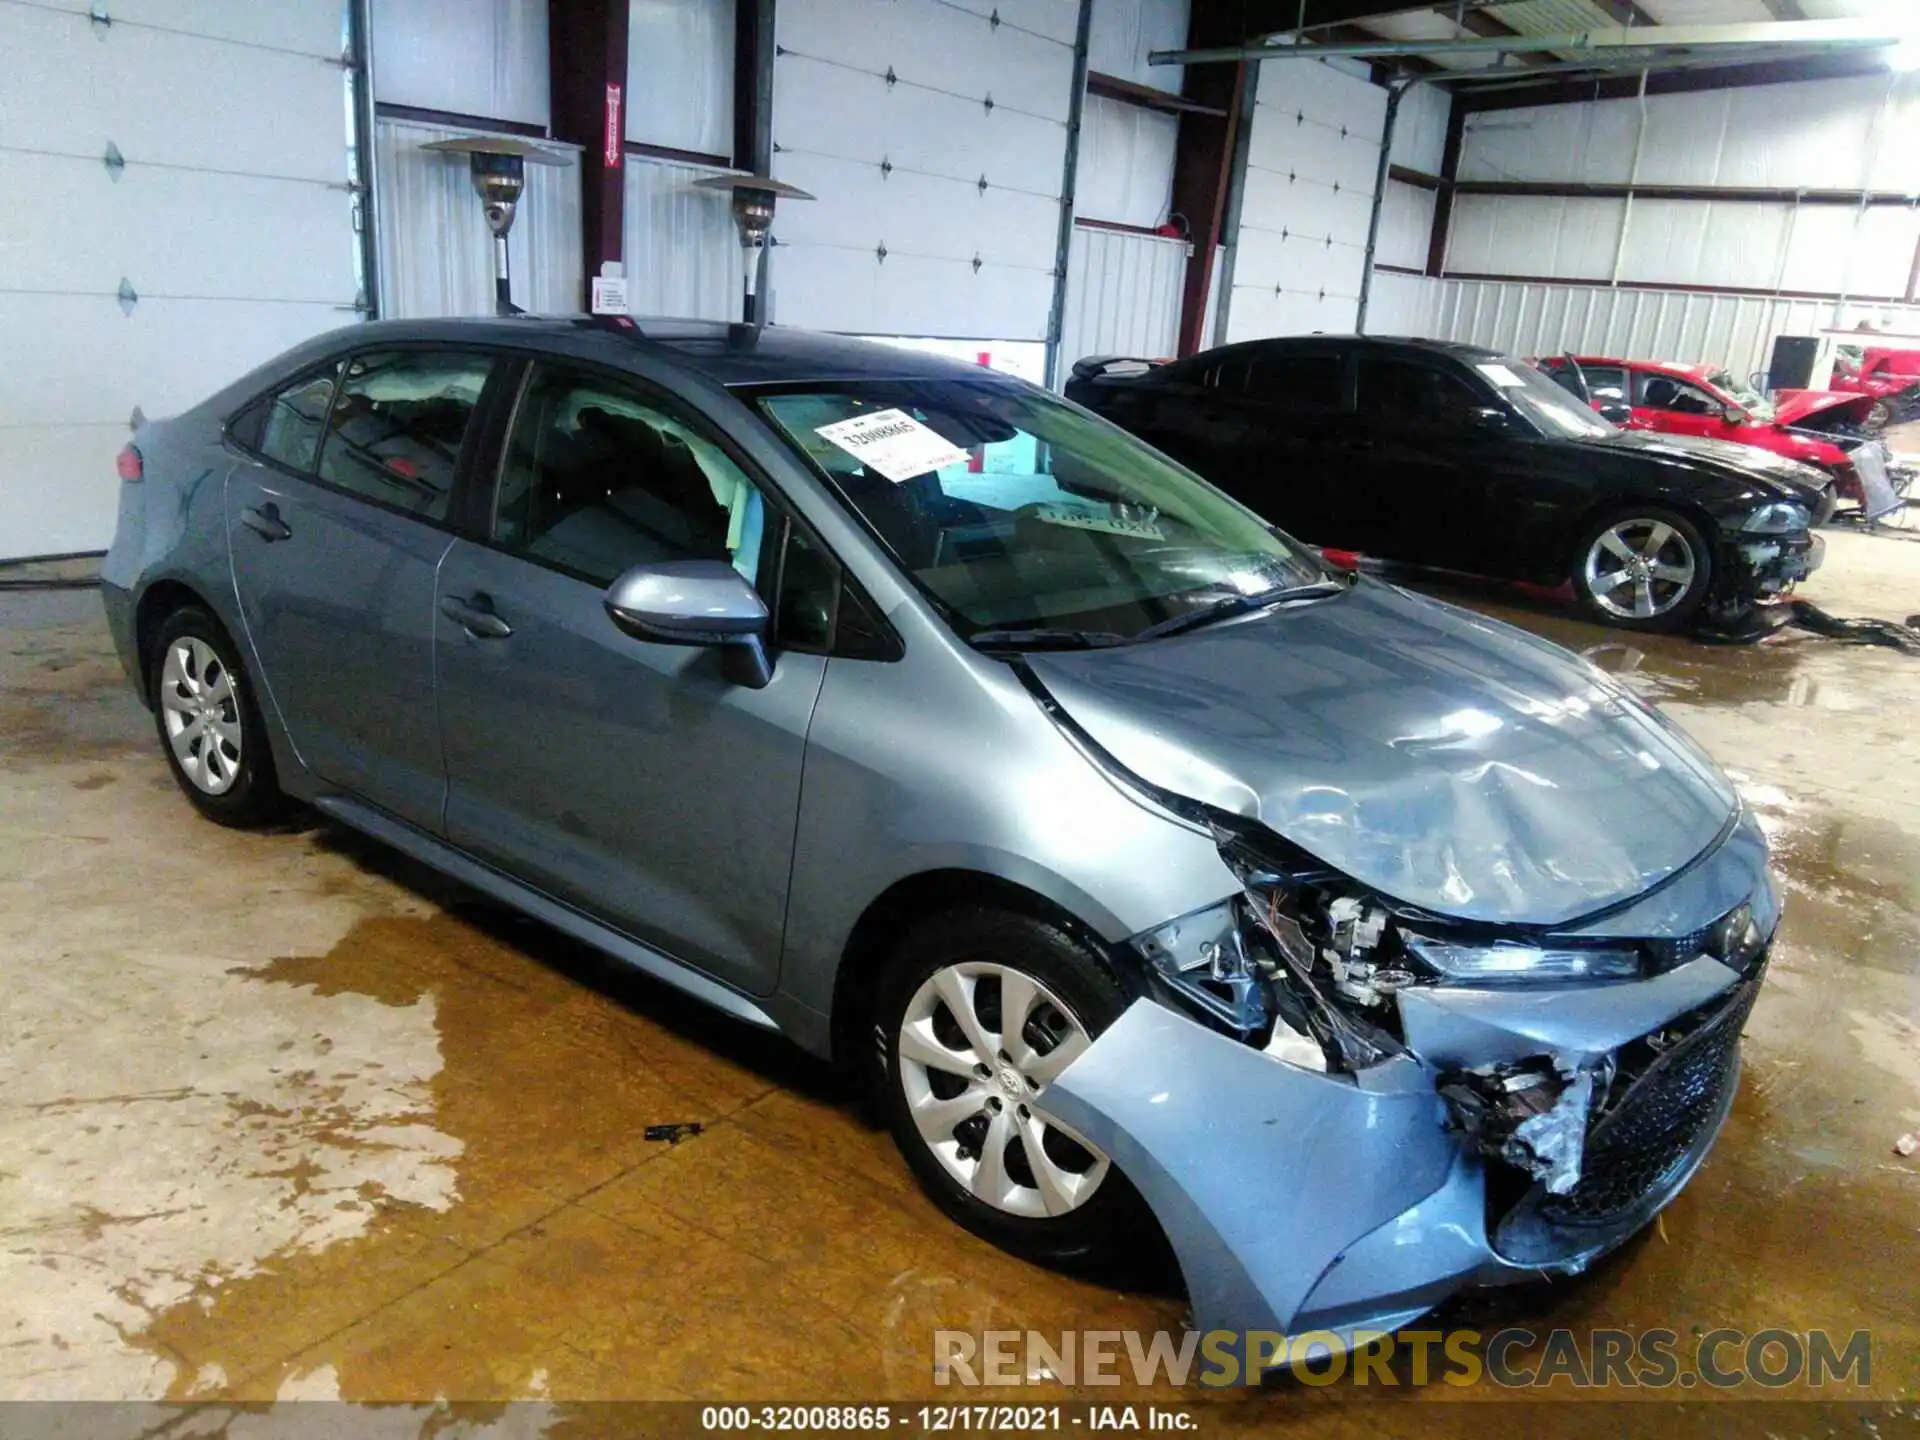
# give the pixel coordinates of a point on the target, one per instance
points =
(264, 521)
(475, 616)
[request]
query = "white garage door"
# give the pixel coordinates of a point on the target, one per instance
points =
(224, 236)
(1312, 157)
(934, 134)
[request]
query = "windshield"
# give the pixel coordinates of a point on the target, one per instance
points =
(1017, 512)
(1745, 396)
(1552, 410)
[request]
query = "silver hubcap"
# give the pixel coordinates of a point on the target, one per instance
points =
(1640, 569)
(978, 1046)
(202, 715)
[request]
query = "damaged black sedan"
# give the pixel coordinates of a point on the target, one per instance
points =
(1459, 458)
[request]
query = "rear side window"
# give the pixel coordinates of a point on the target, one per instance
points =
(1409, 393)
(1293, 382)
(395, 433)
(285, 426)
(1606, 383)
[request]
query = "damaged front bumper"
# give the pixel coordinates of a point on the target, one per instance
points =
(1395, 1137)
(1759, 567)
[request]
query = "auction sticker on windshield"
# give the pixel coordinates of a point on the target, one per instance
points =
(893, 443)
(1500, 375)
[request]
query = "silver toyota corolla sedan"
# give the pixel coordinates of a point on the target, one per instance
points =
(1159, 875)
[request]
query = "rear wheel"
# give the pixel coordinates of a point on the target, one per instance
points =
(979, 1011)
(210, 728)
(1642, 569)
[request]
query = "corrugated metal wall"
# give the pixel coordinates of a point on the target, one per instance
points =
(1123, 295)
(681, 250)
(1732, 330)
(1828, 134)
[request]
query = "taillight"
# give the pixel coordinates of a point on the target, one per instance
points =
(129, 463)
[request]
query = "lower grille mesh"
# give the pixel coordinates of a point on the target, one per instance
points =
(1640, 1142)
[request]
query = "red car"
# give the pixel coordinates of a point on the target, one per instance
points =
(1816, 427)
(1892, 377)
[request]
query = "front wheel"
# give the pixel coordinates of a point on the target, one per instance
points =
(1642, 569)
(979, 1012)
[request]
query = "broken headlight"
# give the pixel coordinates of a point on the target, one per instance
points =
(1780, 518)
(1503, 961)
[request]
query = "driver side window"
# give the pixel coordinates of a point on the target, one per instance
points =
(595, 479)
(1663, 392)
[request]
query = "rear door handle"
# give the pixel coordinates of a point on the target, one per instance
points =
(265, 521)
(475, 616)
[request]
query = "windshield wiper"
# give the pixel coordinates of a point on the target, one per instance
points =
(1240, 604)
(1044, 638)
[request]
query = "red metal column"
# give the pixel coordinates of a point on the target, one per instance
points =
(587, 61)
(1203, 161)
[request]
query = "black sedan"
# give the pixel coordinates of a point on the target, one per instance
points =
(1459, 458)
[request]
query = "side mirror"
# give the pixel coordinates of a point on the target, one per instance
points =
(1490, 420)
(695, 602)
(1619, 414)
(1734, 415)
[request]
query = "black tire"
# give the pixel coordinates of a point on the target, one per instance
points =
(1112, 1230)
(248, 794)
(1674, 605)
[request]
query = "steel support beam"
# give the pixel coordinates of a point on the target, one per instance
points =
(1203, 163)
(1069, 179)
(587, 64)
(1730, 40)
(1380, 177)
(753, 86)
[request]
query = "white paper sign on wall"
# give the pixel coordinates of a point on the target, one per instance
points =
(893, 443)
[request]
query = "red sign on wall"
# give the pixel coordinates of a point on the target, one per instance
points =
(613, 150)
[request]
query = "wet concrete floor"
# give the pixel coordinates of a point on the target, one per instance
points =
(284, 1117)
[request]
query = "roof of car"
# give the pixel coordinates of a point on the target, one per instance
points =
(1455, 348)
(729, 354)
(1665, 367)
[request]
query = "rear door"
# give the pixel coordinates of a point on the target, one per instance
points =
(639, 782)
(337, 520)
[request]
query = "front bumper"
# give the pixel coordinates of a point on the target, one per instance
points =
(1755, 567)
(1298, 1200)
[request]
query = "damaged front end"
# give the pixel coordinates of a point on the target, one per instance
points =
(1433, 1103)
(1761, 564)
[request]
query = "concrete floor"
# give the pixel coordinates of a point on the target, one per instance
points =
(284, 1117)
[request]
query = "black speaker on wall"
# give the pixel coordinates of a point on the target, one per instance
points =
(1791, 367)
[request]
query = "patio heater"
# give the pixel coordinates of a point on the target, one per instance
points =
(498, 165)
(753, 201)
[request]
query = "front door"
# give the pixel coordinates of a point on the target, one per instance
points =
(1424, 469)
(336, 524)
(638, 782)
(1676, 407)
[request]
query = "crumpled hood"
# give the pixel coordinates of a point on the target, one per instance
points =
(1793, 407)
(1443, 759)
(1778, 477)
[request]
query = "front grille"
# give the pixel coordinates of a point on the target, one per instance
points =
(1641, 1142)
